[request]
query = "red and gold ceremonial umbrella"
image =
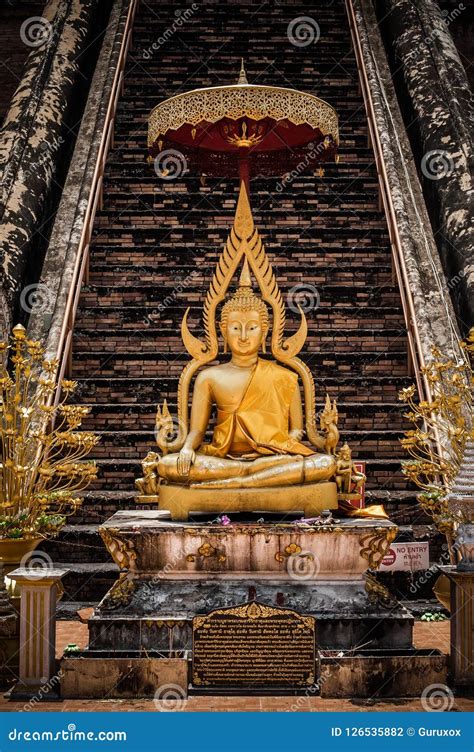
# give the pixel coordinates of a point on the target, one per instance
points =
(245, 129)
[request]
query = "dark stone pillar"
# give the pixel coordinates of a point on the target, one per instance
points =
(35, 144)
(437, 105)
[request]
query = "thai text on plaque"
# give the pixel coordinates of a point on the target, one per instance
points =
(253, 645)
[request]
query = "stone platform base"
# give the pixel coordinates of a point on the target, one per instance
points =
(96, 674)
(149, 614)
(147, 543)
(175, 571)
(381, 673)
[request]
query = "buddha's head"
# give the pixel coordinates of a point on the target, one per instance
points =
(244, 319)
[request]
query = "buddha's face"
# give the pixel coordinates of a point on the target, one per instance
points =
(244, 332)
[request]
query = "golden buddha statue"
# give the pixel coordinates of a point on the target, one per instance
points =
(256, 441)
(257, 460)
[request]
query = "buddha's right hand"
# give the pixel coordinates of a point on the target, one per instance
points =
(186, 458)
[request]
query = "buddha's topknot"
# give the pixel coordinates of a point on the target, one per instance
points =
(244, 299)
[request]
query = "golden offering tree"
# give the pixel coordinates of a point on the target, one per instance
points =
(442, 426)
(42, 467)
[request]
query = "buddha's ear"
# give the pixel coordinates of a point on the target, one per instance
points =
(223, 332)
(264, 340)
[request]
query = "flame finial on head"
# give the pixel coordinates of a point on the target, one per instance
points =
(245, 280)
(244, 297)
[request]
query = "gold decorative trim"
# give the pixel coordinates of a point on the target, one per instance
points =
(256, 102)
(291, 550)
(276, 529)
(207, 550)
(375, 544)
(122, 550)
(252, 610)
(377, 592)
(120, 594)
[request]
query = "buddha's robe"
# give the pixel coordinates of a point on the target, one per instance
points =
(260, 424)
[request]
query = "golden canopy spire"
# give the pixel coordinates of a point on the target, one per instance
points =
(242, 75)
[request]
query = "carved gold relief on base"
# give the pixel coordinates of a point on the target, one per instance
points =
(122, 550)
(374, 545)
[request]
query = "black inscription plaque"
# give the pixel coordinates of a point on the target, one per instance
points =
(253, 646)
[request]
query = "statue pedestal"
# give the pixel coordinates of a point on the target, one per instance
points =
(173, 572)
(181, 501)
(178, 570)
